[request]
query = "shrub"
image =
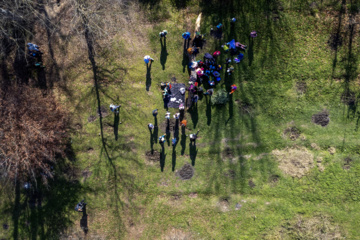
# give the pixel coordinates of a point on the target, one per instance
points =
(220, 97)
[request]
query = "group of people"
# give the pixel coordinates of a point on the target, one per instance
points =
(177, 117)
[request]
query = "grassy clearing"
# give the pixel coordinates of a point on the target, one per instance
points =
(233, 165)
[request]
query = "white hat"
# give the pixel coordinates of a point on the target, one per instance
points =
(182, 90)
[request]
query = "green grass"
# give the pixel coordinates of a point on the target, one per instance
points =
(131, 199)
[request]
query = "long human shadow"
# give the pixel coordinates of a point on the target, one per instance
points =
(183, 140)
(164, 53)
(84, 221)
(173, 160)
(151, 141)
(156, 130)
(208, 109)
(148, 76)
(194, 114)
(193, 152)
(185, 60)
(116, 124)
(162, 157)
(167, 131)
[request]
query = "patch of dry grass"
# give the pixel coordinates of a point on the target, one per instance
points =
(295, 162)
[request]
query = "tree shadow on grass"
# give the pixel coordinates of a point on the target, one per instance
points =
(119, 180)
(42, 211)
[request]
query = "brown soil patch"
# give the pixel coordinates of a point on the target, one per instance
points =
(251, 184)
(186, 172)
(332, 150)
(175, 197)
(321, 118)
(224, 205)
(228, 153)
(103, 110)
(301, 87)
(177, 234)
(315, 146)
(317, 227)
(347, 163)
(91, 118)
(244, 107)
(193, 195)
(152, 156)
(295, 162)
(230, 174)
(274, 178)
(86, 174)
(292, 133)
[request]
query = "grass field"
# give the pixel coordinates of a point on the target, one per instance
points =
(250, 180)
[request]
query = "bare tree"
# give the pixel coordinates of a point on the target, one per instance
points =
(32, 133)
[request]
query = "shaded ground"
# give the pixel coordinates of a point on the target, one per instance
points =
(321, 118)
(186, 172)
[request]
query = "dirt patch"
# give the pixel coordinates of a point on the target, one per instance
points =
(274, 179)
(186, 172)
(103, 110)
(152, 156)
(301, 87)
(348, 98)
(86, 174)
(177, 234)
(230, 174)
(317, 227)
(91, 118)
(78, 126)
(295, 162)
(332, 150)
(224, 205)
(347, 163)
(315, 146)
(292, 133)
(335, 41)
(321, 118)
(193, 195)
(175, 197)
(251, 184)
(238, 206)
(244, 107)
(228, 153)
